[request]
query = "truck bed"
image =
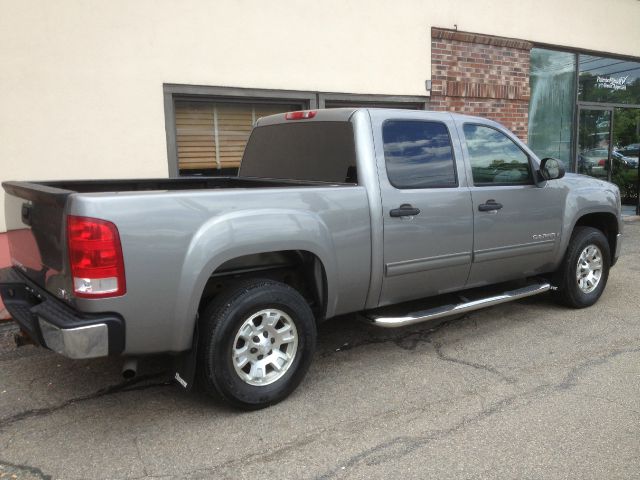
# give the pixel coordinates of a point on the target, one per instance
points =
(62, 188)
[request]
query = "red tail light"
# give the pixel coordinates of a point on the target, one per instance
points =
(95, 255)
(602, 162)
(301, 115)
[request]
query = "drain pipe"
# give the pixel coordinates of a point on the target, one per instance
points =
(130, 368)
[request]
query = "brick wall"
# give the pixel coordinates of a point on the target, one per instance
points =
(481, 75)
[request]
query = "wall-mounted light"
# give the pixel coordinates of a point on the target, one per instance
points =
(427, 85)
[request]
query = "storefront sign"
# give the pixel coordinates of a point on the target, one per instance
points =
(612, 83)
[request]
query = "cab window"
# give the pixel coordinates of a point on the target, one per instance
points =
(418, 154)
(495, 158)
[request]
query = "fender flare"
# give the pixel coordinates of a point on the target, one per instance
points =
(246, 232)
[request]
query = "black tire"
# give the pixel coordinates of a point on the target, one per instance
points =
(569, 292)
(220, 324)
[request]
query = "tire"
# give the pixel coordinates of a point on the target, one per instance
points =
(266, 324)
(580, 281)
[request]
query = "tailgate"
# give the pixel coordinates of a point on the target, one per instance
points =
(35, 230)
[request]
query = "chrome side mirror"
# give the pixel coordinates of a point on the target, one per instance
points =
(551, 169)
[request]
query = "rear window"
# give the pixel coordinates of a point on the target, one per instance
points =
(318, 151)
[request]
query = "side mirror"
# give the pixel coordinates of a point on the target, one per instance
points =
(551, 169)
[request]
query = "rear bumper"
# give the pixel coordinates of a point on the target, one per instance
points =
(53, 324)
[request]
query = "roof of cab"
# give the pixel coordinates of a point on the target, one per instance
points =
(345, 114)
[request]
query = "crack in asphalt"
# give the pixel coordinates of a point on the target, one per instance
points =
(395, 448)
(478, 366)
(34, 471)
(411, 339)
(404, 445)
(126, 386)
(573, 376)
(613, 402)
(142, 462)
(408, 340)
(297, 443)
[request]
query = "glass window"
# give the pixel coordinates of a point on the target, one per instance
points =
(608, 80)
(626, 141)
(211, 136)
(552, 103)
(495, 158)
(319, 151)
(418, 154)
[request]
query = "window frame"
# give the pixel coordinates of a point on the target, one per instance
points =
(195, 93)
(453, 155)
(532, 170)
(348, 100)
(308, 100)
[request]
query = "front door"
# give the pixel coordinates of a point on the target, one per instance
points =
(426, 206)
(594, 142)
(517, 225)
(624, 157)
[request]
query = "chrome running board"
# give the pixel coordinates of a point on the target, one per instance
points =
(447, 310)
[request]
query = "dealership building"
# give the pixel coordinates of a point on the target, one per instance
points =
(161, 88)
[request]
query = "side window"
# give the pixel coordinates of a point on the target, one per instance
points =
(495, 158)
(418, 154)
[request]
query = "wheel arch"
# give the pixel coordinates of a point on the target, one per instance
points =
(300, 269)
(243, 243)
(606, 222)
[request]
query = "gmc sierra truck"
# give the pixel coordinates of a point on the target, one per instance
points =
(332, 212)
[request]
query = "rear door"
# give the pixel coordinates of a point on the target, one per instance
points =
(517, 224)
(426, 205)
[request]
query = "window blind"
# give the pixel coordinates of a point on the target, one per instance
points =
(212, 135)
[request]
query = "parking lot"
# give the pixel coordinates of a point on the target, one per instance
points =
(522, 390)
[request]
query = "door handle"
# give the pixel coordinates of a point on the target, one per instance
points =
(405, 210)
(490, 206)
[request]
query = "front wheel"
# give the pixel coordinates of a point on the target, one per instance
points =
(585, 268)
(256, 345)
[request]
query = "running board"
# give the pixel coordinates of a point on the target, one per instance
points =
(447, 310)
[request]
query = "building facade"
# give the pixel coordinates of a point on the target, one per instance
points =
(157, 88)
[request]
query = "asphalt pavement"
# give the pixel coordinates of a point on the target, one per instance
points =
(522, 390)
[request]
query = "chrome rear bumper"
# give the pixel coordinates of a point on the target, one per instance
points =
(80, 342)
(55, 324)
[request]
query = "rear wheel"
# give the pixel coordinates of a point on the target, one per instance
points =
(585, 269)
(257, 342)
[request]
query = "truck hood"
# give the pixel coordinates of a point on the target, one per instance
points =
(577, 180)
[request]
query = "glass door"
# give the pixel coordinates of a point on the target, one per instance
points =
(594, 142)
(624, 158)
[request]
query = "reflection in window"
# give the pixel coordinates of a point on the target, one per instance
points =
(608, 80)
(552, 103)
(418, 154)
(494, 158)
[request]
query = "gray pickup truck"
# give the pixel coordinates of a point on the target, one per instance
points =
(333, 212)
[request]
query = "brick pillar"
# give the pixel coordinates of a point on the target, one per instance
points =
(481, 75)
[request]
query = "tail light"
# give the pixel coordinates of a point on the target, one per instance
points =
(95, 254)
(301, 115)
(602, 162)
